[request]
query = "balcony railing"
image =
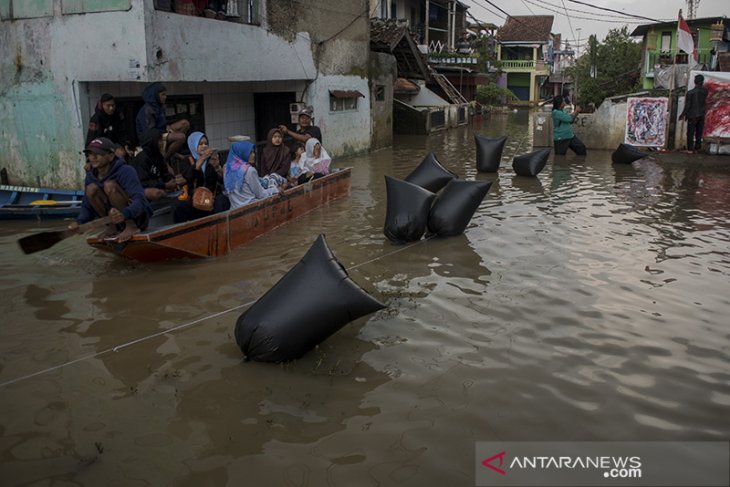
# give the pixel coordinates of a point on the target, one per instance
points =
(518, 64)
(240, 11)
(666, 58)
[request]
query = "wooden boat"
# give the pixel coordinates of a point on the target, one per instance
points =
(27, 202)
(218, 234)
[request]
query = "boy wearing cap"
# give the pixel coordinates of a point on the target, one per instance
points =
(306, 129)
(112, 188)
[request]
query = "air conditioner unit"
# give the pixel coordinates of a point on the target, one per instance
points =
(294, 109)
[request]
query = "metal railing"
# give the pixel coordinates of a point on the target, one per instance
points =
(518, 64)
(666, 58)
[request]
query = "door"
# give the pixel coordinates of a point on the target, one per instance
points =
(272, 110)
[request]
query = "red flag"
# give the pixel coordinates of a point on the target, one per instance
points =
(685, 41)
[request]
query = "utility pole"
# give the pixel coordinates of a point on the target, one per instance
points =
(692, 6)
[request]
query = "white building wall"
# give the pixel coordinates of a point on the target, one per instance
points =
(345, 132)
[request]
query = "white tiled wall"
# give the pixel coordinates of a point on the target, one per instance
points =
(228, 106)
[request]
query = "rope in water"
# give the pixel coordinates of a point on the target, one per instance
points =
(191, 323)
(173, 329)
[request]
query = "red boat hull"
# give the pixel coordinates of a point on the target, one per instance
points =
(220, 233)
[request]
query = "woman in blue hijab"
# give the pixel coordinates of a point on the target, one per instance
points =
(203, 169)
(241, 179)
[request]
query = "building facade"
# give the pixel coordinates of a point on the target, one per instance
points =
(525, 55)
(240, 74)
(660, 54)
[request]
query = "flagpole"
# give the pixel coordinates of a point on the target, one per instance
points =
(671, 85)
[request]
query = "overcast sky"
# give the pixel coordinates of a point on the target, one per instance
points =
(664, 10)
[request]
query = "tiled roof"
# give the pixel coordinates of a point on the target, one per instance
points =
(385, 34)
(403, 85)
(526, 28)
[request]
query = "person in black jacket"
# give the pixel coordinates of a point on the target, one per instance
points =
(106, 122)
(694, 112)
(153, 115)
(154, 174)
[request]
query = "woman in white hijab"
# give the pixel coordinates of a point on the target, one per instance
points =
(316, 159)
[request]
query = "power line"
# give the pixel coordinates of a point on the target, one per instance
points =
(569, 22)
(615, 11)
(593, 19)
(528, 7)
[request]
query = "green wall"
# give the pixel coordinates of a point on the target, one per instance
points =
(35, 126)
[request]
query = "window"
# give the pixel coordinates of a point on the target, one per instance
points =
(344, 100)
(393, 12)
(379, 93)
(24, 9)
(88, 6)
(666, 45)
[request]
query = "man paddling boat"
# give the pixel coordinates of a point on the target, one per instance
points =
(112, 188)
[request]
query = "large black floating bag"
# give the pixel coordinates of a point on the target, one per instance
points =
(531, 164)
(430, 174)
(626, 154)
(311, 302)
(489, 152)
(408, 207)
(455, 205)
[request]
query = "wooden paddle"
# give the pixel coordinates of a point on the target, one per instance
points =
(45, 240)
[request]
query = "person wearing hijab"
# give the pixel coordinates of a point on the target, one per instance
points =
(152, 115)
(276, 157)
(203, 169)
(241, 180)
(317, 160)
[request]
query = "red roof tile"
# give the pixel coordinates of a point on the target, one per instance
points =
(526, 28)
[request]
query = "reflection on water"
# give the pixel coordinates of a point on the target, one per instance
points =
(588, 303)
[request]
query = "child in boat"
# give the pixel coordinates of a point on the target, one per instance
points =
(112, 188)
(296, 169)
(317, 160)
(241, 179)
(203, 169)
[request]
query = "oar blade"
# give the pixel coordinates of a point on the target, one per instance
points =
(41, 241)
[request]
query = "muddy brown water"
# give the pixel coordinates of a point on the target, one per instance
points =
(589, 303)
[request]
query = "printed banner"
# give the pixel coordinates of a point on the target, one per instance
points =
(603, 463)
(646, 122)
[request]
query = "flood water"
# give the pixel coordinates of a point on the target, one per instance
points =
(589, 303)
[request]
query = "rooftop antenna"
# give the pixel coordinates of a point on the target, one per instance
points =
(692, 6)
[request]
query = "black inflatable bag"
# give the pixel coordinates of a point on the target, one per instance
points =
(532, 163)
(311, 302)
(626, 154)
(408, 207)
(489, 152)
(430, 174)
(455, 205)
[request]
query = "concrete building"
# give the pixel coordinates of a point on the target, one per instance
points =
(524, 50)
(661, 57)
(236, 76)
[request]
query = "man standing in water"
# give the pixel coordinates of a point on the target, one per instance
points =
(694, 112)
(112, 188)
